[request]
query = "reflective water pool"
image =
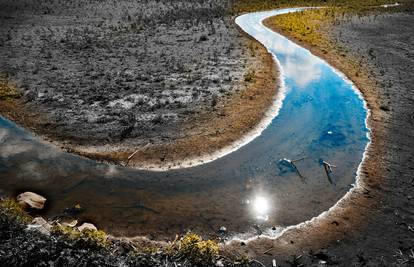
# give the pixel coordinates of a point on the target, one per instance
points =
(255, 187)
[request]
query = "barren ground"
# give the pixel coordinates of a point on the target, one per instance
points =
(174, 79)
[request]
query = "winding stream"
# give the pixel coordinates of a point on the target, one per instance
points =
(322, 118)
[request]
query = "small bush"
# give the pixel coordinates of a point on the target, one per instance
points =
(7, 91)
(197, 250)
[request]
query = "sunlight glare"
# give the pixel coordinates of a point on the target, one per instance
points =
(261, 205)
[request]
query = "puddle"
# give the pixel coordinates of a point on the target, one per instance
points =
(253, 188)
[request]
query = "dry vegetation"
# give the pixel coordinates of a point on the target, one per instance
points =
(148, 75)
(7, 90)
(242, 6)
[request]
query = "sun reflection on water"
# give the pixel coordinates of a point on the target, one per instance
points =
(260, 206)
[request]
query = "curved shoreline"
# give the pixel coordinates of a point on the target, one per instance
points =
(354, 205)
(269, 115)
(346, 204)
(143, 157)
(317, 231)
(257, 99)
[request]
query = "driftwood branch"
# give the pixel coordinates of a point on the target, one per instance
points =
(267, 250)
(292, 162)
(328, 170)
(292, 166)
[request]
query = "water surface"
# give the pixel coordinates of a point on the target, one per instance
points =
(322, 118)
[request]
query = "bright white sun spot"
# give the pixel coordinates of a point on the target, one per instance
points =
(261, 205)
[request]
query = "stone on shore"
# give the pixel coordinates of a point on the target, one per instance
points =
(41, 225)
(32, 200)
(88, 226)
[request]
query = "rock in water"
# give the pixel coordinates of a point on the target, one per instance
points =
(31, 200)
(87, 226)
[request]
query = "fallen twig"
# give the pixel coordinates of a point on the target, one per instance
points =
(292, 163)
(328, 170)
(133, 154)
(130, 157)
(265, 252)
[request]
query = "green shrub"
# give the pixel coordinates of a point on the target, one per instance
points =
(89, 236)
(197, 250)
(13, 210)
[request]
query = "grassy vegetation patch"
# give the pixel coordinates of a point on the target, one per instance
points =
(198, 251)
(7, 90)
(312, 26)
(307, 25)
(88, 236)
(13, 210)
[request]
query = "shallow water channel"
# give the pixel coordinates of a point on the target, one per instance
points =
(322, 118)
